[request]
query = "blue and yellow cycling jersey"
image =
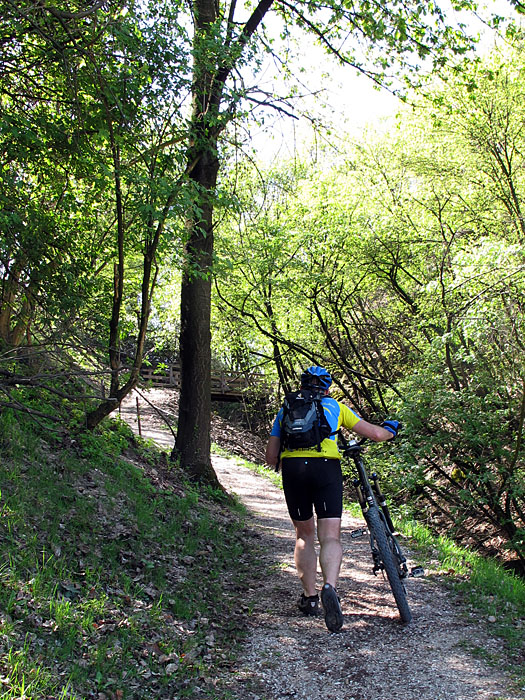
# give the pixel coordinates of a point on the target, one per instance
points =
(338, 415)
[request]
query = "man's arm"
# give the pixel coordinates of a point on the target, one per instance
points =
(272, 450)
(371, 431)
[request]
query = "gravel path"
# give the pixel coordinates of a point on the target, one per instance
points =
(374, 657)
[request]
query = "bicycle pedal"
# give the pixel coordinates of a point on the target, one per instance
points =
(358, 533)
(417, 572)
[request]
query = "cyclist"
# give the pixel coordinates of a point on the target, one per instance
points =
(313, 479)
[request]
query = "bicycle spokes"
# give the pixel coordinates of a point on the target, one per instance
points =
(386, 552)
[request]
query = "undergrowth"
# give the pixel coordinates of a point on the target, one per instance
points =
(116, 574)
(493, 595)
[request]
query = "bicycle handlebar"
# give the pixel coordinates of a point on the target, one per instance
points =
(352, 445)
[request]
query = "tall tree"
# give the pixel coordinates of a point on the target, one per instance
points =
(221, 46)
(93, 144)
(214, 58)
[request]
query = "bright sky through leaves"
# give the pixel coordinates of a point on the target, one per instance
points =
(346, 98)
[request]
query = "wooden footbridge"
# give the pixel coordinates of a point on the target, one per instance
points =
(224, 386)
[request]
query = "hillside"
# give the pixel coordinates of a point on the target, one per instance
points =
(117, 576)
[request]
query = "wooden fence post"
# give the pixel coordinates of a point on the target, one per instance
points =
(138, 416)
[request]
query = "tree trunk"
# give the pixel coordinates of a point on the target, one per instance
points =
(193, 441)
(212, 65)
(193, 432)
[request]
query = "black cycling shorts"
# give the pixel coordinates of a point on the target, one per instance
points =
(312, 482)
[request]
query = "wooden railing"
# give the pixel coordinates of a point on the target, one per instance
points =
(228, 387)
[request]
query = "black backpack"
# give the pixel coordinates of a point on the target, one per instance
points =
(304, 424)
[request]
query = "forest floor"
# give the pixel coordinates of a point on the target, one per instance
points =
(446, 653)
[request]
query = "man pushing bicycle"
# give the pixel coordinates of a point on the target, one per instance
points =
(304, 440)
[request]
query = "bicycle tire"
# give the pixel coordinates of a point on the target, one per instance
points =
(378, 534)
(397, 554)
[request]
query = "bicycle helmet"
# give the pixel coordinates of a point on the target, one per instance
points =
(316, 376)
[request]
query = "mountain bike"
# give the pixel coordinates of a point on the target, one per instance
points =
(386, 552)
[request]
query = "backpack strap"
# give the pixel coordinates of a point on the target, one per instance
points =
(318, 408)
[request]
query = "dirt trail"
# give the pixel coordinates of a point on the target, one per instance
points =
(374, 657)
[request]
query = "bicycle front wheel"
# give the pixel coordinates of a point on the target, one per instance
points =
(378, 534)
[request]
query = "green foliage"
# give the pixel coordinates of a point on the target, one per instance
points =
(402, 40)
(398, 264)
(92, 171)
(387, 267)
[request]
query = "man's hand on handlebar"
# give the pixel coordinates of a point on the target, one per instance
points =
(393, 426)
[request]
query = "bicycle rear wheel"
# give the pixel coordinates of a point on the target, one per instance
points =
(378, 534)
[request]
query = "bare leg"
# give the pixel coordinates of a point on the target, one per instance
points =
(331, 554)
(305, 555)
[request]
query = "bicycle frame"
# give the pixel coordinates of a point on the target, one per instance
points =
(386, 552)
(370, 495)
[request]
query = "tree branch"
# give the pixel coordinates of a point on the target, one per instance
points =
(62, 14)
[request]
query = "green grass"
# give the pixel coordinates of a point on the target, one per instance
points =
(497, 595)
(108, 582)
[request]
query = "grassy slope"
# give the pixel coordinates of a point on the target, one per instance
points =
(116, 575)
